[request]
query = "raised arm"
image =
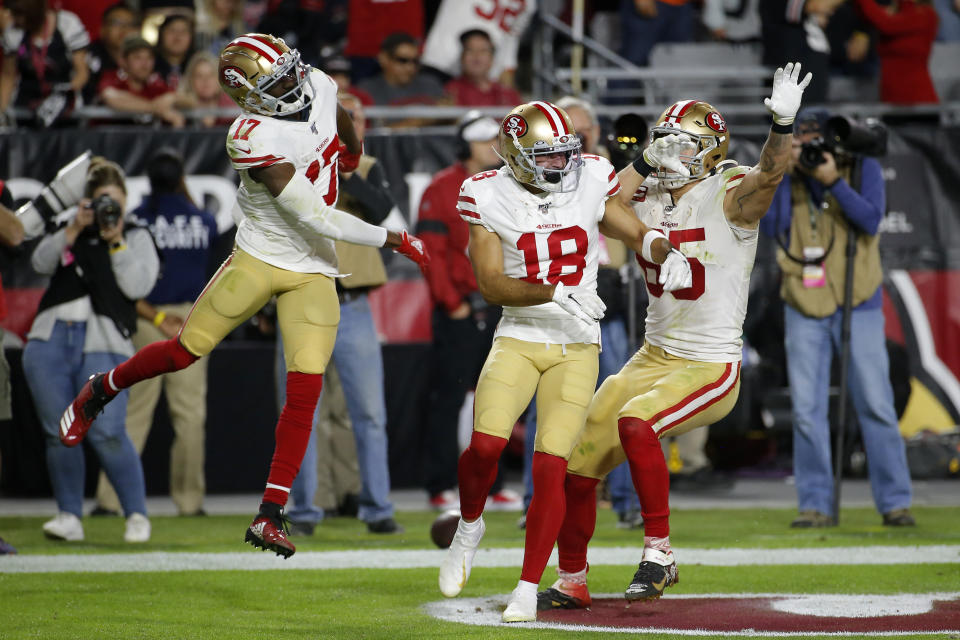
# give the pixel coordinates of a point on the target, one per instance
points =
(746, 203)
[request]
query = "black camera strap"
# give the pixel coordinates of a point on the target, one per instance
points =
(856, 171)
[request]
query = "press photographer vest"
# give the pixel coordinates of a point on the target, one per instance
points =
(364, 264)
(91, 274)
(812, 227)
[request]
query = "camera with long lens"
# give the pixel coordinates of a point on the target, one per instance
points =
(106, 210)
(844, 137)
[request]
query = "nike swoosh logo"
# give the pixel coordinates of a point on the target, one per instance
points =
(659, 585)
(242, 149)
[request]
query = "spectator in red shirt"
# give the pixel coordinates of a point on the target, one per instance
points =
(369, 22)
(907, 29)
(462, 324)
(137, 88)
(474, 87)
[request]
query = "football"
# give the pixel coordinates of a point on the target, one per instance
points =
(444, 528)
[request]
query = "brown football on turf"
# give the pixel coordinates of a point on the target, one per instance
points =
(444, 528)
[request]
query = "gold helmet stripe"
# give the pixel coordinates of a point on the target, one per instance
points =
(557, 123)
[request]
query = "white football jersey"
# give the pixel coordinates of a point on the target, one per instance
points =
(703, 322)
(266, 231)
(503, 20)
(545, 240)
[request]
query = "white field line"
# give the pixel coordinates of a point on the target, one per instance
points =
(486, 611)
(509, 557)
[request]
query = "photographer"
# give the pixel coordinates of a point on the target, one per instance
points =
(99, 266)
(184, 235)
(829, 193)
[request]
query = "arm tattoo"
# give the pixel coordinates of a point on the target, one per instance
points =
(775, 152)
(741, 199)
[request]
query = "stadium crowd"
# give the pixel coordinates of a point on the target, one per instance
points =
(149, 59)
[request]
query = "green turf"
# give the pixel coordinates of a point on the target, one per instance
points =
(371, 603)
(695, 528)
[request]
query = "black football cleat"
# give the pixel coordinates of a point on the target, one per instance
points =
(657, 571)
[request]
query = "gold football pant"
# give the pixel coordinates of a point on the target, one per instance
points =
(307, 310)
(566, 376)
(671, 394)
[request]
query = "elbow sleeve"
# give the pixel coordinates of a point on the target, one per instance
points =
(299, 198)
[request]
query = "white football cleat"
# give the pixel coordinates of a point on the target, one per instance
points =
(455, 568)
(64, 526)
(138, 528)
(522, 606)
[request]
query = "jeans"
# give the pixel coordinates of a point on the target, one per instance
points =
(55, 371)
(358, 359)
(616, 352)
(810, 343)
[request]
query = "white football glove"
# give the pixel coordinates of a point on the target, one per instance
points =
(784, 100)
(580, 303)
(675, 272)
(64, 191)
(665, 152)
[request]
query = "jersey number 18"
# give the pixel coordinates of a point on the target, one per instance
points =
(558, 259)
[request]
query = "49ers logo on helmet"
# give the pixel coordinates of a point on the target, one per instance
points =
(515, 125)
(232, 77)
(715, 122)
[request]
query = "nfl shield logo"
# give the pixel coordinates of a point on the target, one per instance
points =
(544, 208)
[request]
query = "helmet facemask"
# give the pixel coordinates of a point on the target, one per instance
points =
(692, 155)
(554, 180)
(298, 98)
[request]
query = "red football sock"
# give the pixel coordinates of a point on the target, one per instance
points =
(650, 476)
(154, 359)
(545, 514)
(578, 524)
(292, 434)
(476, 472)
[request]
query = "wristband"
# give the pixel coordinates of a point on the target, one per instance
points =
(117, 247)
(648, 239)
(777, 127)
(641, 166)
(159, 318)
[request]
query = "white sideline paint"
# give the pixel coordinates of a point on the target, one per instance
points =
(415, 559)
(486, 611)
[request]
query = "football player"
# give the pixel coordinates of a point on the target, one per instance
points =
(687, 374)
(534, 227)
(288, 145)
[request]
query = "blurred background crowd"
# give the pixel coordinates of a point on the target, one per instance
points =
(155, 60)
